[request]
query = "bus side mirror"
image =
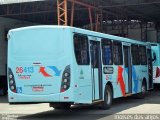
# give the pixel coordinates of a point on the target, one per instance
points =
(154, 57)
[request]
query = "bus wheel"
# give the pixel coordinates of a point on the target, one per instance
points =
(143, 91)
(108, 98)
(61, 105)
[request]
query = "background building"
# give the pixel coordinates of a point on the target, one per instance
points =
(136, 19)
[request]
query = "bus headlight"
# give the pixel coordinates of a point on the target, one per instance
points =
(66, 74)
(11, 81)
(65, 84)
(65, 80)
(12, 88)
(10, 76)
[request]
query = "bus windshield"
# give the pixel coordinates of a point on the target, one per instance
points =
(36, 43)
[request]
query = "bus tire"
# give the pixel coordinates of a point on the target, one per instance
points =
(61, 106)
(143, 91)
(108, 98)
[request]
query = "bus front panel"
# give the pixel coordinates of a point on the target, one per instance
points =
(38, 65)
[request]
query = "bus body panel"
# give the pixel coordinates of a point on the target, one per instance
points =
(38, 61)
(139, 73)
(156, 63)
(156, 77)
(86, 84)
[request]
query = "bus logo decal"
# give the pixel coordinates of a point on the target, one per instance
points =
(19, 89)
(81, 75)
(43, 72)
(108, 70)
(121, 81)
(55, 69)
(108, 77)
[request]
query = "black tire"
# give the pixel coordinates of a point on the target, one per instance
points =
(61, 106)
(143, 91)
(108, 98)
(2, 93)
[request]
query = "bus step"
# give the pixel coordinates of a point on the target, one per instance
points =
(128, 94)
(97, 101)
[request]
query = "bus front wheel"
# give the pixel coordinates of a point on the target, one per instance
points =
(143, 91)
(108, 98)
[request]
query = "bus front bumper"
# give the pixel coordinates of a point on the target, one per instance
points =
(23, 98)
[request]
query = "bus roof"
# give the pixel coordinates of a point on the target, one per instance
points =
(104, 35)
(82, 31)
(154, 44)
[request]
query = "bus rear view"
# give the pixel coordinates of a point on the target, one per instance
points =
(38, 65)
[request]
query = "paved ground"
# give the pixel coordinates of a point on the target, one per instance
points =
(130, 105)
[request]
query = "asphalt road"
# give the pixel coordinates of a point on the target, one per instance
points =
(130, 106)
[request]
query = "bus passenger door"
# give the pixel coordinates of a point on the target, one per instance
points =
(150, 68)
(127, 69)
(96, 70)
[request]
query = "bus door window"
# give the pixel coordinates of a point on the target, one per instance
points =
(117, 53)
(107, 52)
(135, 55)
(150, 69)
(81, 49)
(94, 59)
(96, 69)
(143, 56)
(127, 69)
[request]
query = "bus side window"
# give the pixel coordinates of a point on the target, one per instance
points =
(107, 52)
(135, 54)
(81, 49)
(143, 55)
(117, 53)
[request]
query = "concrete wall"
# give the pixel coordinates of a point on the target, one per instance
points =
(5, 25)
(152, 35)
(136, 34)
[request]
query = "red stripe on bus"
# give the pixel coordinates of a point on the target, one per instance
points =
(120, 80)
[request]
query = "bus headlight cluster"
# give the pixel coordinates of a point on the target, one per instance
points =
(11, 81)
(12, 88)
(66, 74)
(10, 76)
(65, 80)
(65, 84)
